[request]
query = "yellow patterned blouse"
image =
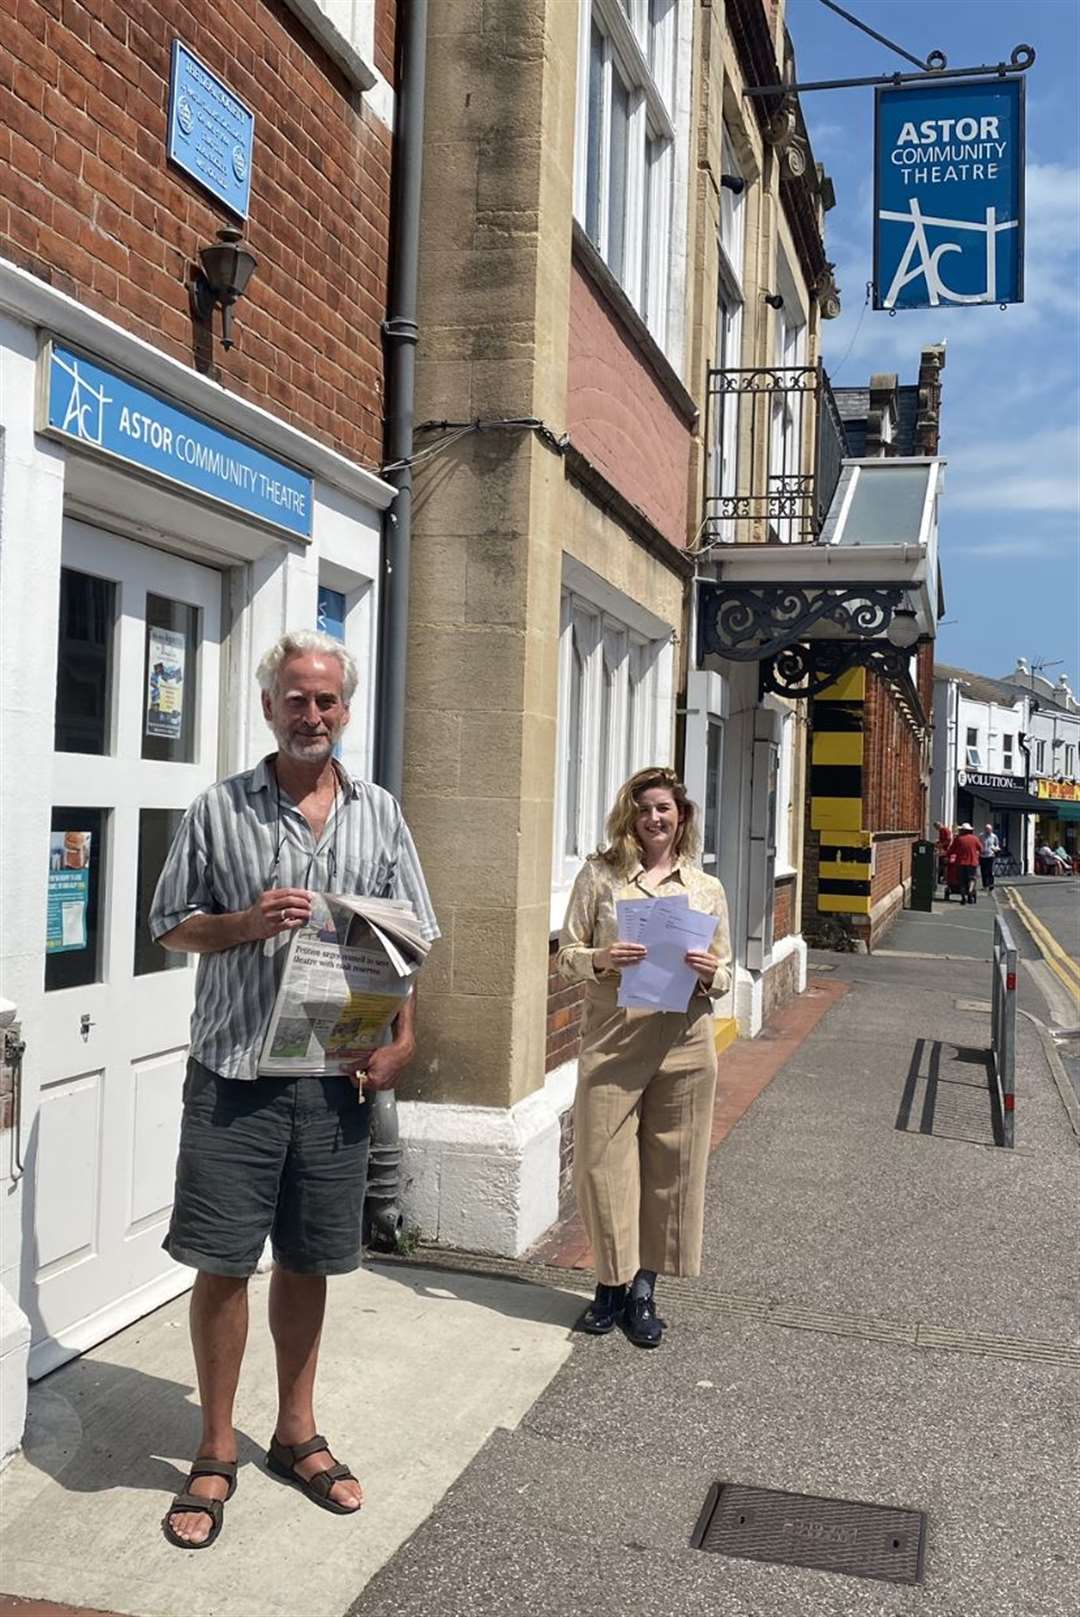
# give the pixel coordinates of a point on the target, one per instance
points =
(591, 924)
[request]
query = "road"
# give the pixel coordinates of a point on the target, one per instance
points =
(1047, 912)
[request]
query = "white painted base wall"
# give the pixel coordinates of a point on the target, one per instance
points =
(485, 1178)
(749, 988)
(14, 1354)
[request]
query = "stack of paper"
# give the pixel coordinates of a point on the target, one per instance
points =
(669, 929)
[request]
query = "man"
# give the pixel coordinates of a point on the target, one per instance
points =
(990, 847)
(285, 1158)
(965, 853)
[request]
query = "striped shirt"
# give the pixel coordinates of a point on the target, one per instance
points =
(243, 837)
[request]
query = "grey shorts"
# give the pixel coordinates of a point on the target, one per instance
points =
(278, 1157)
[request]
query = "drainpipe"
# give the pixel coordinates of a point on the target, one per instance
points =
(383, 1211)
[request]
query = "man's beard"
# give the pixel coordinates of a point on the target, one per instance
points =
(306, 750)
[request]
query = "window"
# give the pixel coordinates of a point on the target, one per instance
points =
(974, 761)
(624, 168)
(786, 426)
(724, 435)
(714, 777)
(1040, 757)
(1070, 760)
(1007, 753)
(611, 691)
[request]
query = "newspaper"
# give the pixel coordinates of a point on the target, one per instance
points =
(346, 975)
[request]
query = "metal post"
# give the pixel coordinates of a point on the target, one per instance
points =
(1003, 1028)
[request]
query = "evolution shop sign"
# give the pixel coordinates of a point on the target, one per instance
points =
(949, 194)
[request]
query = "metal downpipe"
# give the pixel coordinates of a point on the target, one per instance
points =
(382, 1208)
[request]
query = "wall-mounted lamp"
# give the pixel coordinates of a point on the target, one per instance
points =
(222, 278)
(733, 182)
(903, 630)
(775, 300)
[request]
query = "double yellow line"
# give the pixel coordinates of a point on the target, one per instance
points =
(1061, 964)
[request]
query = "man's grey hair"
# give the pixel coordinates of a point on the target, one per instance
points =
(307, 643)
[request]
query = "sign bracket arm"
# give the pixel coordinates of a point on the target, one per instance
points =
(1022, 58)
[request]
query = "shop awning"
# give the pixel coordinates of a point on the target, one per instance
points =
(1001, 798)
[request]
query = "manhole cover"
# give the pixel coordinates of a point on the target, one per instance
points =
(794, 1529)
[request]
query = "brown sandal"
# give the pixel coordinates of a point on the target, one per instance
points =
(282, 1458)
(204, 1466)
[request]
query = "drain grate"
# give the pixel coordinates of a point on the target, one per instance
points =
(794, 1529)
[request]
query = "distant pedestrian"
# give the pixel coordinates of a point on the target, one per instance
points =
(944, 841)
(991, 847)
(646, 1079)
(965, 854)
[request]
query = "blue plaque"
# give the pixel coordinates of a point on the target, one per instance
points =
(101, 411)
(210, 131)
(949, 204)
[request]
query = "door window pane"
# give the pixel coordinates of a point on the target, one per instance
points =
(573, 744)
(83, 664)
(169, 681)
(74, 932)
(157, 828)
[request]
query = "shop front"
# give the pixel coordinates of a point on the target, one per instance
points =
(1057, 825)
(1004, 802)
(156, 534)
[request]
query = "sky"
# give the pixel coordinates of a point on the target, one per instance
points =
(1010, 530)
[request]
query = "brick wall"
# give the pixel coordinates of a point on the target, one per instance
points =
(89, 203)
(892, 865)
(620, 417)
(893, 794)
(784, 909)
(564, 1005)
(385, 18)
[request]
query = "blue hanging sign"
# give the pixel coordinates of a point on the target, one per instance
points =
(949, 195)
(100, 410)
(211, 132)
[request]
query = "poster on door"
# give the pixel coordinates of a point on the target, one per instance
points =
(69, 891)
(165, 683)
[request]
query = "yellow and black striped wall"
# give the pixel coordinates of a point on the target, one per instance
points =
(836, 796)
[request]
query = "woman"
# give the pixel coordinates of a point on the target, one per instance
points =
(646, 1079)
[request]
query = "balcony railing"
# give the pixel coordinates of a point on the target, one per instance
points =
(757, 425)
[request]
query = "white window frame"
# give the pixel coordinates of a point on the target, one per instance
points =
(785, 781)
(1040, 757)
(724, 427)
(1008, 752)
(629, 42)
(621, 639)
(786, 419)
(1070, 757)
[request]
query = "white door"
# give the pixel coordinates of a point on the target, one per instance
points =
(136, 739)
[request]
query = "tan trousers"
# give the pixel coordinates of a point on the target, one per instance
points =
(642, 1125)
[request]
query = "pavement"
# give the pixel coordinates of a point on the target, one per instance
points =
(888, 1313)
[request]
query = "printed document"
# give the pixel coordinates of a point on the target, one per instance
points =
(669, 929)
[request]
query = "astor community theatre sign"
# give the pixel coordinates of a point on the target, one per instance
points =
(948, 209)
(104, 413)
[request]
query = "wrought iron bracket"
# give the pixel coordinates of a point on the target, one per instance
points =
(802, 671)
(752, 622)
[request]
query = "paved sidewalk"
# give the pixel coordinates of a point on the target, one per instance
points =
(888, 1313)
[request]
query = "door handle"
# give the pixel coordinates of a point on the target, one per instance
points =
(85, 1024)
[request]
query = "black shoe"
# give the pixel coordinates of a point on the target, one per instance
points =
(639, 1322)
(604, 1312)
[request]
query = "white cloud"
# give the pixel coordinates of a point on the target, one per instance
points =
(1039, 471)
(1020, 548)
